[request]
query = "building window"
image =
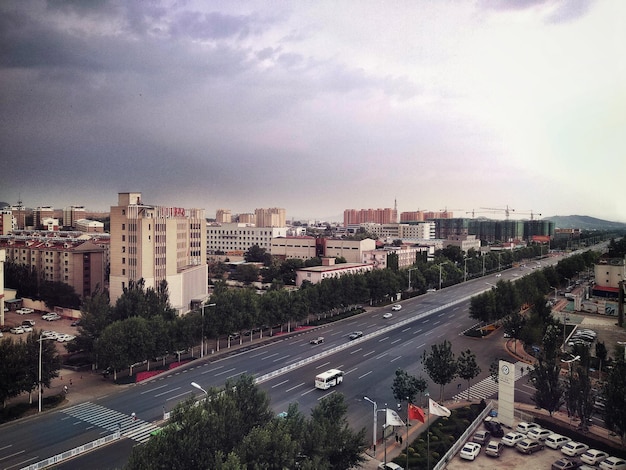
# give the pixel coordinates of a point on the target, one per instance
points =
(123, 226)
(123, 260)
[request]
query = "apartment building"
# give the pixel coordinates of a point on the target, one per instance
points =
(420, 216)
(223, 216)
(407, 256)
(6, 221)
(363, 216)
(71, 214)
(273, 217)
(80, 263)
(89, 226)
(41, 213)
(158, 243)
(350, 250)
(329, 270)
(236, 238)
(390, 232)
(3, 257)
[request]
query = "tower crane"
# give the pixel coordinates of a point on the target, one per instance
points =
(447, 211)
(531, 213)
(506, 210)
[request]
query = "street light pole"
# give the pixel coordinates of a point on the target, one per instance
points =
(375, 424)
(195, 385)
(41, 340)
(202, 339)
(440, 276)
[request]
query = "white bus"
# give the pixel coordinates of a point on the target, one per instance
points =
(328, 379)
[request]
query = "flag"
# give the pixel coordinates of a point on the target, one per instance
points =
(436, 409)
(415, 412)
(393, 419)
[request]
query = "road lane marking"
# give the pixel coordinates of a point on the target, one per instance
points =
(294, 387)
(322, 365)
(152, 389)
(395, 358)
(365, 375)
(280, 383)
(356, 350)
(168, 392)
(369, 353)
(225, 371)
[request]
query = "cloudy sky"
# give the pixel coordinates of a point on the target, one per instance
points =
(316, 106)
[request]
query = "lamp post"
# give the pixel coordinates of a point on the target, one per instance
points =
(412, 269)
(375, 424)
(41, 340)
(195, 385)
(440, 275)
(202, 342)
(465, 269)
(623, 343)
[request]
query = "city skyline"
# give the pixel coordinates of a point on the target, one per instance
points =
(316, 108)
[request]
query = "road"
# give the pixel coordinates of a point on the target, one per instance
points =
(369, 363)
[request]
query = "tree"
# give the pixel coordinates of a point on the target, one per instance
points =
(441, 365)
(614, 392)
(548, 389)
(406, 386)
(513, 326)
(255, 254)
(468, 368)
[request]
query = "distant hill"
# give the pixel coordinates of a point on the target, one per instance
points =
(584, 222)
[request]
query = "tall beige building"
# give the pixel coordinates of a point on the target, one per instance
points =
(273, 217)
(157, 243)
(71, 214)
(223, 216)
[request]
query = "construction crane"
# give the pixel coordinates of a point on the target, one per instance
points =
(531, 213)
(506, 210)
(447, 211)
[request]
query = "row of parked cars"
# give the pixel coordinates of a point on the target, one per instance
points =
(530, 437)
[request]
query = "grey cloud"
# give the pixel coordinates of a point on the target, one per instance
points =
(558, 11)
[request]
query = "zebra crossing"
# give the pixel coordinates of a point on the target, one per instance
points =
(111, 420)
(487, 387)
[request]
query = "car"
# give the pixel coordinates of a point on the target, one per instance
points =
(493, 426)
(49, 334)
(499, 275)
(512, 438)
(355, 335)
(318, 340)
(431, 290)
(396, 307)
(613, 463)
(565, 464)
(529, 446)
(51, 317)
(388, 315)
(574, 449)
(494, 449)
(65, 338)
(75, 323)
(17, 330)
(28, 323)
(523, 427)
(389, 466)
(469, 451)
(593, 456)
(24, 311)
(27, 328)
(538, 434)
(556, 441)
(481, 437)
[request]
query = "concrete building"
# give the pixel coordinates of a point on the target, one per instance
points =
(223, 216)
(609, 273)
(50, 224)
(6, 221)
(3, 258)
(71, 214)
(464, 242)
(295, 247)
(363, 216)
(350, 250)
(273, 217)
(89, 226)
(330, 270)
(78, 263)
(407, 256)
(158, 243)
(390, 232)
(235, 239)
(41, 213)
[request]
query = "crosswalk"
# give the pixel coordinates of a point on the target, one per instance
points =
(111, 420)
(487, 387)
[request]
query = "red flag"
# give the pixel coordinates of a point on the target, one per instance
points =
(415, 412)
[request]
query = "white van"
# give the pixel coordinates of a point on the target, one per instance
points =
(389, 466)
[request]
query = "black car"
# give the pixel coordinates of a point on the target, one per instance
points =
(494, 428)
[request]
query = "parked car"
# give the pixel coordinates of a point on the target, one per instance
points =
(65, 338)
(481, 437)
(565, 464)
(51, 317)
(388, 315)
(593, 456)
(355, 335)
(389, 466)
(318, 340)
(556, 441)
(27, 328)
(24, 311)
(75, 323)
(396, 307)
(613, 463)
(529, 446)
(512, 438)
(494, 427)
(573, 448)
(47, 334)
(17, 330)
(469, 451)
(539, 434)
(494, 449)
(28, 323)
(523, 427)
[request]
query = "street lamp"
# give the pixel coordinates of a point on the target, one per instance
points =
(202, 342)
(412, 269)
(465, 269)
(41, 340)
(440, 275)
(375, 424)
(195, 385)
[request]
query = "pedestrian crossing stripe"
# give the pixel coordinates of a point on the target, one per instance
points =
(487, 387)
(111, 420)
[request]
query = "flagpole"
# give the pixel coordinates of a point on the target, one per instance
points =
(384, 436)
(428, 434)
(407, 433)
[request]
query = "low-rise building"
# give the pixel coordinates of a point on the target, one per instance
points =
(330, 270)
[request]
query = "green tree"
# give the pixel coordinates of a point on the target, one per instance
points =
(548, 389)
(513, 326)
(441, 365)
(614, 392)
(406, 386)
(255, 254)
(468, 368)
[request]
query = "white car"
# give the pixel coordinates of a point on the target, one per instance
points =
(388, 315)
(17, 330)
(613, 463)
(523, 427)
(538, 434)
(24, 311)
(27, 328)
(556, 441)
(65, 338)
(593, 456)
(396, 307)
(469, 451)
(49, 335)
(573, 448)
(51, 317)
(512, 438)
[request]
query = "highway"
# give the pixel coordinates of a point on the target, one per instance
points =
(369, 364)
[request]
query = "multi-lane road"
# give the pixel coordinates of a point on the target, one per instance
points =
(285, 368)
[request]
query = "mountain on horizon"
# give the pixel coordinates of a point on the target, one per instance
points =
(584, 222)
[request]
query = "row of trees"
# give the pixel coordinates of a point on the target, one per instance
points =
(19, 366)
(235, 428)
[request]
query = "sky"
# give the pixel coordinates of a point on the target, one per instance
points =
(316, 107)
